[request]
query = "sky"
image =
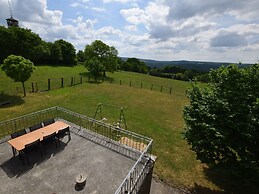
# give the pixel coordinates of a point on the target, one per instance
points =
(201, 30)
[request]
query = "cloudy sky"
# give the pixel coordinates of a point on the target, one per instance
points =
(204, 30)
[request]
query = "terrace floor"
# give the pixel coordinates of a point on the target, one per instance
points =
(56, 171)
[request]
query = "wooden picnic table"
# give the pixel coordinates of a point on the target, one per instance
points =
(19, 143)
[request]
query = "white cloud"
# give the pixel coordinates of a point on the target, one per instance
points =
(120, 1)
(158, 29)
(131, 28)
(36, 11)
(134, 15)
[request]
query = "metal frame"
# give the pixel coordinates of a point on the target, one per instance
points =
(132, 143)
(121, 116)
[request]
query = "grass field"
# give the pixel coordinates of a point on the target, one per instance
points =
(150, 113)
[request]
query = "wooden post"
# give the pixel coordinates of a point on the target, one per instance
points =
(71, 81)
(81, 80)
(130, 83)
(48, 84)
(62, 82)
(152, 87)
(32, 87)
(161, 89)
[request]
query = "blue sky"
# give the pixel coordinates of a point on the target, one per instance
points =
(222, 30)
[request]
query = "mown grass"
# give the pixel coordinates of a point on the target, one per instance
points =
(150, 113)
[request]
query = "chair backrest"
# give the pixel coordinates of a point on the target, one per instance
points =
(18, 133)
(50, 136)
(48, 122)
(34, 127)
(63, 132)
(32, 144)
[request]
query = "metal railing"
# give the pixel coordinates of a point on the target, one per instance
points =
(130, 142)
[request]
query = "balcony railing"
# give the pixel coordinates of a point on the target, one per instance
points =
(129, 143)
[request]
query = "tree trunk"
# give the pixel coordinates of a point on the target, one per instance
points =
(24, 92)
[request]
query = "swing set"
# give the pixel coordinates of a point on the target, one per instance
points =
(99, 114)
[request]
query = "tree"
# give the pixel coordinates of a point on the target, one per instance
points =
(20, 41)
(18, 68)
(102, 53)
(68, 52)
(222, 120)
(80, 56)
(94, 66)
(137, 65)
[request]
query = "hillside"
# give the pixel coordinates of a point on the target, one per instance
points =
(152, 113)
(195, 65)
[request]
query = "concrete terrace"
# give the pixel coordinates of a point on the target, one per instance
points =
(56, 171)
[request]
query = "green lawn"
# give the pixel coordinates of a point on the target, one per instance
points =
(150, 113)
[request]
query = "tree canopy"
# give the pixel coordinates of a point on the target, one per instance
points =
(103, 54)
(222, 120)
(18, 68)
(24, 42)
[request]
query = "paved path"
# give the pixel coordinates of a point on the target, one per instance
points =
(159, 187)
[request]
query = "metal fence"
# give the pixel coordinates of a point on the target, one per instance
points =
(130, 142)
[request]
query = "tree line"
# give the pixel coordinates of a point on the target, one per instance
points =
(25, 43)
(97, 57)
(179, 73)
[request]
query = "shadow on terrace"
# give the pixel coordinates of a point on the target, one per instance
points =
(111, 159)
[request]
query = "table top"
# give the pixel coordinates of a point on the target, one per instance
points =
(19, 142)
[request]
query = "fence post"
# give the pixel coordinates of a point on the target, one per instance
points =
(71, 81)
(161, 89)
(130, 83)
(81, 80)
(62, 82)
(152, 87)
(48, 84)
(32, 87)
(170, 90)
